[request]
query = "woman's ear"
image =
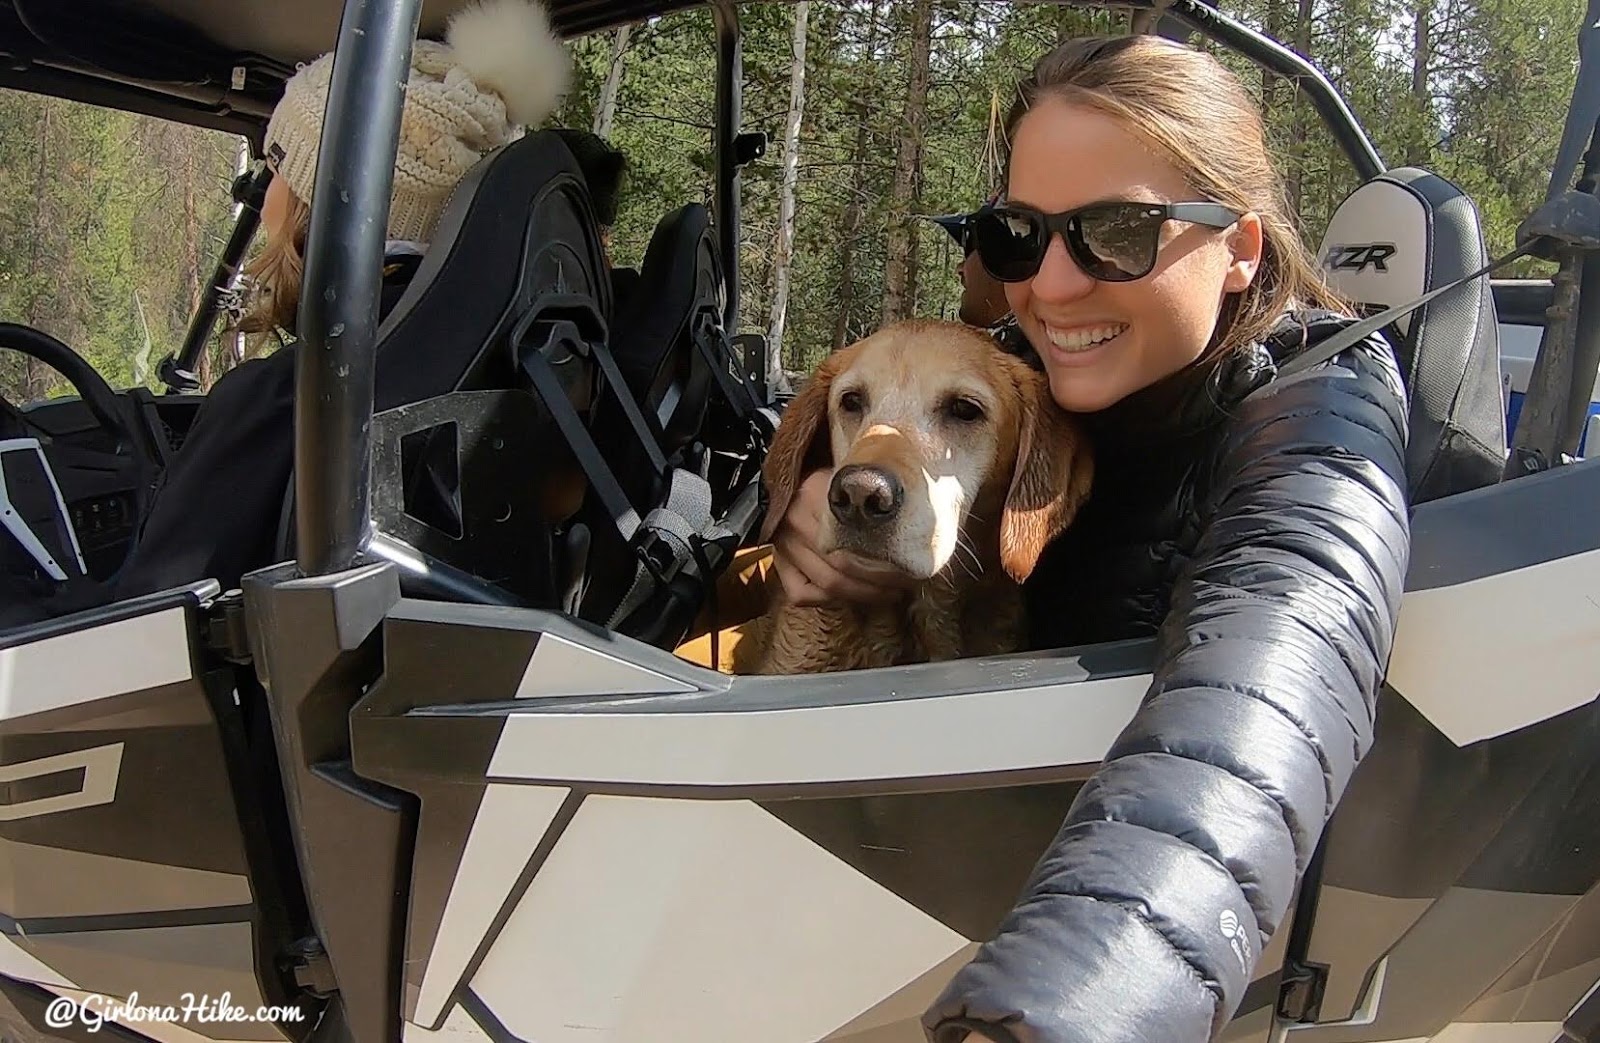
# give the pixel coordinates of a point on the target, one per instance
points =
(800, 444)
(1246, 243)
(1049, 483)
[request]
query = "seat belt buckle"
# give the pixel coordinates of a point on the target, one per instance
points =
(658, 556)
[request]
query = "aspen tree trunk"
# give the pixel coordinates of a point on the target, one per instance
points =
(784, 255)
(900, 270)
(1271, 82)
(1299, 134)
(854, 212)
(605, 112)
(1422, 34)
(36, 380)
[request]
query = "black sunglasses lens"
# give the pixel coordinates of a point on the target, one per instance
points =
(1010, 243)
(1116, 242)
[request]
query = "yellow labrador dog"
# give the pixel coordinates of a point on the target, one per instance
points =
(951, 463)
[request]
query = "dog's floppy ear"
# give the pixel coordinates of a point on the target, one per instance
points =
(1054, 471)
(800, 444)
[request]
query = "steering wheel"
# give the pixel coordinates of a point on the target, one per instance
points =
(89, 385)
(96, 394)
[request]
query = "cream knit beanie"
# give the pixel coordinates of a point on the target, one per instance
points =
(500, 69)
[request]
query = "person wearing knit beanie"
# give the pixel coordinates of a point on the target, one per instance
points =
(500, 70)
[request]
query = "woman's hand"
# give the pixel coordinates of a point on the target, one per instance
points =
(811, 579)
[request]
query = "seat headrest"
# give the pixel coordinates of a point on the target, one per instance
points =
(519, 223)
(680, 278)
(1377, 246)
(1400, 235)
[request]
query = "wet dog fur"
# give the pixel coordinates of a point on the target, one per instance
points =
(952, 463)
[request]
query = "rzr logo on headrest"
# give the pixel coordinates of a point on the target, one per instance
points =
(1358, 257)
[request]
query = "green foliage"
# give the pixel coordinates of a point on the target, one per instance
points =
(110, 223)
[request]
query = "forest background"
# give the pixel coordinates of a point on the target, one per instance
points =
(880, 113)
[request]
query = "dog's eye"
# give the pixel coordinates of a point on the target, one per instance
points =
(852, 402)
(965, 410)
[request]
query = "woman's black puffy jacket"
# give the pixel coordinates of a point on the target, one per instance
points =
(1258, 528)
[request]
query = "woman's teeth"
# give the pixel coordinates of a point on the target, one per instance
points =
(1084, 337)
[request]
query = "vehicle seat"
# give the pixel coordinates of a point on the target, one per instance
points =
(679, 366)
(470, 465)
(666, 330)
(521, 455)
(673, 351)
(488, 456)
(1393, 239)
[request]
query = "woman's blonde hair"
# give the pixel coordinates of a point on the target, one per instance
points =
(274, 275)
(1197, 112)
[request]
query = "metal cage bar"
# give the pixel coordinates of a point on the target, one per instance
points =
(729, 106)
(338, 319)
(1268, 53)
(204, 321)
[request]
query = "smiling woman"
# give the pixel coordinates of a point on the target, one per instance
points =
(1118, 296)
(1050, 261)
(1256, 527)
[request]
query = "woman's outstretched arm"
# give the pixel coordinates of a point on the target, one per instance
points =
(1145, 918)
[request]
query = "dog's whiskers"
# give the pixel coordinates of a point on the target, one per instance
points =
(972, 564)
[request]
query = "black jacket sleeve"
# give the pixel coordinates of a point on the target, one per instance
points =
(216, 514)
(1144, 920)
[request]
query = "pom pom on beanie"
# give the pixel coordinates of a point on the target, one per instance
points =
(500, 70)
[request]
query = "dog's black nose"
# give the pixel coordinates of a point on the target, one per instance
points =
(859, 493)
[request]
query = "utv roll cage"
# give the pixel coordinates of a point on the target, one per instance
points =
(342, 259)
(351, 764)
(344, 244)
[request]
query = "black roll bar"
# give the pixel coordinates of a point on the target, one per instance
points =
(725, 193)
(338, 319)
(178, 372)
(1556, 405)
(1264, 51)
(1584, 111)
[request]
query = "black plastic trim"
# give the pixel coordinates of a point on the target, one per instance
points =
(38, 925)
(117, 612)
(1522, 302)
(315, 644)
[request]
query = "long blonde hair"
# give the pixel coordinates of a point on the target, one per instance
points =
(274, 275)
(1198, 113)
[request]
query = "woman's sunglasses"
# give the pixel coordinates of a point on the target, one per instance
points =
(1111, 242)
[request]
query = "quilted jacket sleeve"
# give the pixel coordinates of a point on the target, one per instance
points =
(1143, 921)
